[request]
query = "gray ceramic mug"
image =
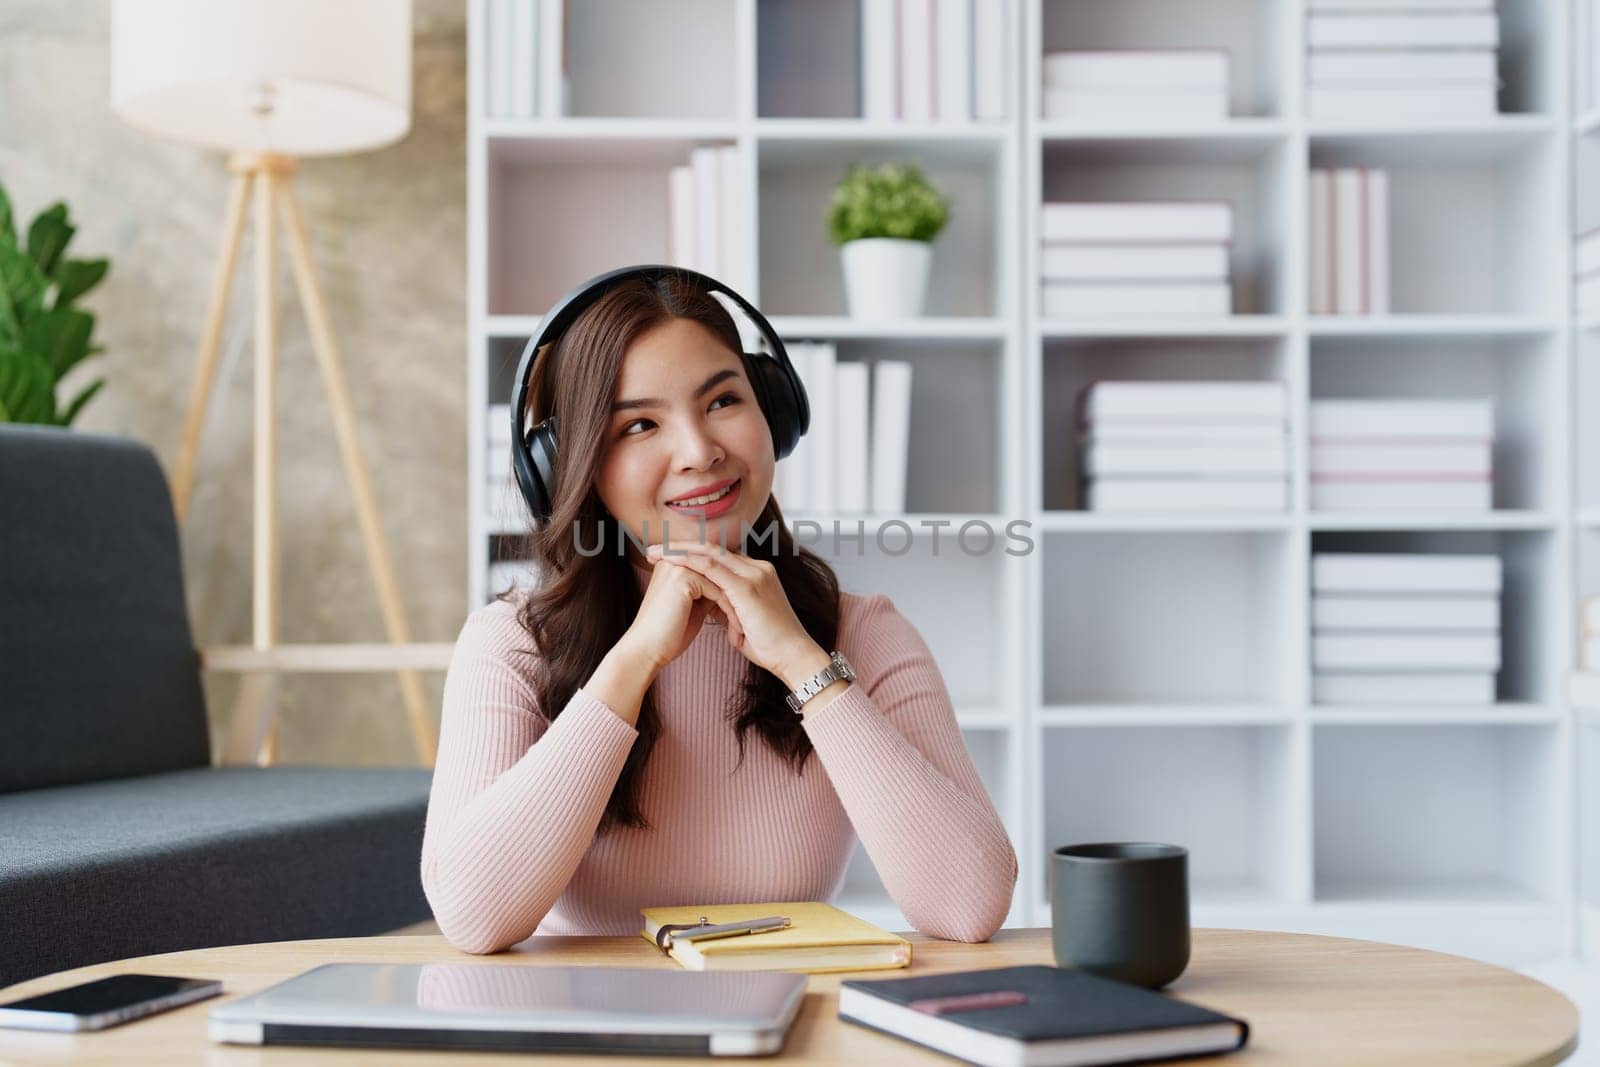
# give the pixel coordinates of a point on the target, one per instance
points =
(1121, 910)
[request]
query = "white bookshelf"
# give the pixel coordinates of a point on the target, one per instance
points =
(1148, 676)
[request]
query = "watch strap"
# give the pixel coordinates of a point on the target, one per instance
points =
(838, 668)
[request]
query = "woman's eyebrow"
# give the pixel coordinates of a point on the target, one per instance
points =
(656, 402)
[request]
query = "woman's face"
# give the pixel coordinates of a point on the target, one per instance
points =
(685, 424)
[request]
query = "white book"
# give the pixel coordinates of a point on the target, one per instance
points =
(499, 33)
(555, 81)
(1402, 103)
(1405, 613)
(797, 468)
(891, 435)
(1194, 263)
(1586, 250)
(1167, 432)
(1442, 29)
(497, 459)
(1586, 295)
(953, 70)
(1368, 420)
(1186, 494)
(1136, 298)
(880, 60)
(1583, 689)
(1405, 652)
(1377, 245)
(1349, 238)
(1405, 572)
(853, 457)
(506, 575)
(1138, 69)
(1103, 459)
(824, 428)
(916, 60)
(989, 59)
(525, 58)
(1265, 400)
(1157, 222)
(1415, 687)
(1392, 6)
(707, 165)
(681, 213)
(1320, 236)
(1472, 66)
(1404, 461)
(730, 183)
(1334, 494)
(1152, 107)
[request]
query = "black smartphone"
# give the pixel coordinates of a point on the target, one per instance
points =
(106, 1002)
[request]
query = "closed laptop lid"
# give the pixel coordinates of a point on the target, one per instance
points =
(468, 996)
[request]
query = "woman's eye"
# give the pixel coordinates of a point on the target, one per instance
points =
(726, 396)
(626, 430)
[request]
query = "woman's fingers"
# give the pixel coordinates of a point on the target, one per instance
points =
(707, 588)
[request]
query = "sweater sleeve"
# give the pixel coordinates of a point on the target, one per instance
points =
(516, 798)
(894, 753)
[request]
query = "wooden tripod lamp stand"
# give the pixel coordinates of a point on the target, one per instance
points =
(270, 81)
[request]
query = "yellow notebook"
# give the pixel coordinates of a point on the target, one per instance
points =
(819, 938)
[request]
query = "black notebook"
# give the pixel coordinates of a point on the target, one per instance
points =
(1038, 1015)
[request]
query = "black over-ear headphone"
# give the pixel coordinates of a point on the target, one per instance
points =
(777, 387)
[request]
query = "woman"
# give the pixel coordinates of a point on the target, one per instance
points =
(641, 751)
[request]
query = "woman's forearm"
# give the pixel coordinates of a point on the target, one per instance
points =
(621, 680)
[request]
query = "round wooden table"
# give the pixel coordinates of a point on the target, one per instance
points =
(1309, 1000)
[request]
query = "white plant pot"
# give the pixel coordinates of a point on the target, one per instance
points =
(886, 277)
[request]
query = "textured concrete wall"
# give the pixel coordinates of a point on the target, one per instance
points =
(388, 236)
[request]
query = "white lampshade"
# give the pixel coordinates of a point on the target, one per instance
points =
(298, 77)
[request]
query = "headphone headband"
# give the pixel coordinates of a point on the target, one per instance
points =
(777, 385)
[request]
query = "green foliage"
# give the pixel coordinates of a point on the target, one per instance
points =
(889, 200)
(42, 335)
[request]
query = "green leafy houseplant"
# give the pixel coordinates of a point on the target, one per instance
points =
(889, 200)
(42, 335)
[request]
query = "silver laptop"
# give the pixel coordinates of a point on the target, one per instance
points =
(519, 1008)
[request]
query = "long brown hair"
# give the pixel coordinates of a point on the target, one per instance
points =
(585, 601)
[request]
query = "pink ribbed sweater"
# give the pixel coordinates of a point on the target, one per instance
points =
(510, 847)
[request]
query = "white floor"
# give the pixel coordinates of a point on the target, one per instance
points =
(1581, 984)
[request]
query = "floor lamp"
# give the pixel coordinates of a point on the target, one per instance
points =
(270, 81)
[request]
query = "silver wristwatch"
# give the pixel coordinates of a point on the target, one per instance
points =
(838, 668)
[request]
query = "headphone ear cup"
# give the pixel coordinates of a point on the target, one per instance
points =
(778, 402)
(535, 467)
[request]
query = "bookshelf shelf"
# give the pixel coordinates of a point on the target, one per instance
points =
(1147, 675)
(1161, 326)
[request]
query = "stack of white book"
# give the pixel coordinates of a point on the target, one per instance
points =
(1349, 241)
(1130, 85)
(706, 209)
(526, 72)
(1404, 628)
(1185, 446)
(512, 573)
(1157, 258)
(503, 504)
(933, 60)
(1402, 455)
(1401, 60)
(853, 458)
(1586, 271)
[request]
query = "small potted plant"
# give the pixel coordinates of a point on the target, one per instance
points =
(885, 219)
(43, 333)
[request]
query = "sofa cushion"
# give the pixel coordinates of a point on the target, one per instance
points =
(98, 674)
(204, 857)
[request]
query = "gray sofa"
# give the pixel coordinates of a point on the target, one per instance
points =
(117, 836)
